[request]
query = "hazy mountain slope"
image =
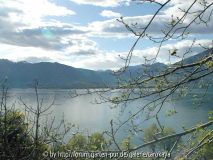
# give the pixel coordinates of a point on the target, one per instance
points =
(53, 74)
(20, 74)
(197, 57)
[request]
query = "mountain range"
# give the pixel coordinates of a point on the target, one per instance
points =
(56, 75)
(21, 75)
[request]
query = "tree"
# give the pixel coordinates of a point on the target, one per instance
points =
(94, 142)
(44, 134)
(153, 133)
(126, 144)
(97, 141)
(161, 83)
(78, 142)
(206, 146)
(22, 135)
(16, 139)
(149, 135)
(168, 144)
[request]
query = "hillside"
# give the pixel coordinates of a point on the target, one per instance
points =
(21, 74)
(197, 57)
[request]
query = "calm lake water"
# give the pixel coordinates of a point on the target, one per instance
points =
(96, 118)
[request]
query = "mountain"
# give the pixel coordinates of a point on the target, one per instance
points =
(21, 74)
(197, 57)
(194, 59)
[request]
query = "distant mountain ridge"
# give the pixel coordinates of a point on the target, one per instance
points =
(20, 74)
(197, 57)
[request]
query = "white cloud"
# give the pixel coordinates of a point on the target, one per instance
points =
(113, 28)
(182, 46)
(109, 14)
(103, 3)
(82, 47)
(18, 53)
(97, 60)
(31, 12)
(109, 60)
(69, 49)
(22, 23)
(112, 61)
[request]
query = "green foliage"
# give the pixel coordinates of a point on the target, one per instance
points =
(209, 64)
(165, 145)
(206, 151)
(168, 143)
(16, 133)
(92, 143)
(77, 142)
(149, 135)
(126, 144)
(97, 140)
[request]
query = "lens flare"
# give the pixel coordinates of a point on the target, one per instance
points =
(47, 33)
(137, 121)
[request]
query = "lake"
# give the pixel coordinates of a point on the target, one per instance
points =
(96, 118)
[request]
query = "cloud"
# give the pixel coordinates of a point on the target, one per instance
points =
(82, 47)
(19, 53)
(30, 13)
(36, 59)
(85, 52)
(112, 28)
(4, 11)
(70, 48)
(109, 14)
(47, 38)
(22, 24)
(164, 54)
(103, 3)
(97, 59)
(111, 60)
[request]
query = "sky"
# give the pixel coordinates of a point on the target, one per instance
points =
(86, 34)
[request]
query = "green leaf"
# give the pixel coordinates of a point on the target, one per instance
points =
(210, 112)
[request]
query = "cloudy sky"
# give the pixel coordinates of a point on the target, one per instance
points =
(85, 33)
